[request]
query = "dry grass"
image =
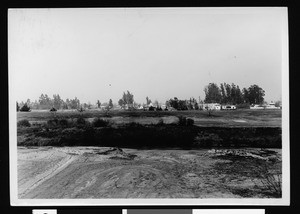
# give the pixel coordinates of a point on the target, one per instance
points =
(219, 118)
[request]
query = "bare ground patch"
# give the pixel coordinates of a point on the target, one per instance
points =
(95, 172)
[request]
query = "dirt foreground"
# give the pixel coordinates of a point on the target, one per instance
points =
(102, 172)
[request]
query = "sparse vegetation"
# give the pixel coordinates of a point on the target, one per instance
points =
(272, 183)
(265, 176)
(270, 180)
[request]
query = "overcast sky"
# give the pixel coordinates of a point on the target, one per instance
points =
(156, 52)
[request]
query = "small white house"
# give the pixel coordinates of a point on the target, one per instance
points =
(117, 107)
(271, 105)
(211, 106)
(256, 106)
(228, 107)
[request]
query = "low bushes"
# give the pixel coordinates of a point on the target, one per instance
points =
(81, 122)
(23, 123)
(183, 121)
(64, 123)
(53, 109)
(132, 135)
(54, 123)
(25, 108)
(98, 122)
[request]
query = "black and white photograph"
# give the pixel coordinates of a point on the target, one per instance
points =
(149, 106)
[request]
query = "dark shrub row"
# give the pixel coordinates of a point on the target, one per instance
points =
(98, 122)
(131, 135)
(80, 132)
(135, 135)
(261, 137)
(79, 122)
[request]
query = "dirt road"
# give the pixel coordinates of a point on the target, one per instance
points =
(92, 172)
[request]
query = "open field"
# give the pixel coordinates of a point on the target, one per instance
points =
(101, 172)
(231, 154)
(235, 118)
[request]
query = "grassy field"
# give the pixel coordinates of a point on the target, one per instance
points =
(237, 118)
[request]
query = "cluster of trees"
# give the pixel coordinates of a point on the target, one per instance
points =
(46, 102)
(25, 107)
(177, 104)
(126, 100)
(232, 94)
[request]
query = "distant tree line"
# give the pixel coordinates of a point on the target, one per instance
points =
(46, 102)
(231, 94)
(178, 104)
(223, 94)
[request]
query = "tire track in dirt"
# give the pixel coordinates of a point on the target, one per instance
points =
(40, 178)
(124, 181)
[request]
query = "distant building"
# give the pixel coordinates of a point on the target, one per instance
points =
(271, 105)
(256, 106)
(117, 107)
(228, 107)
(211, 106)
